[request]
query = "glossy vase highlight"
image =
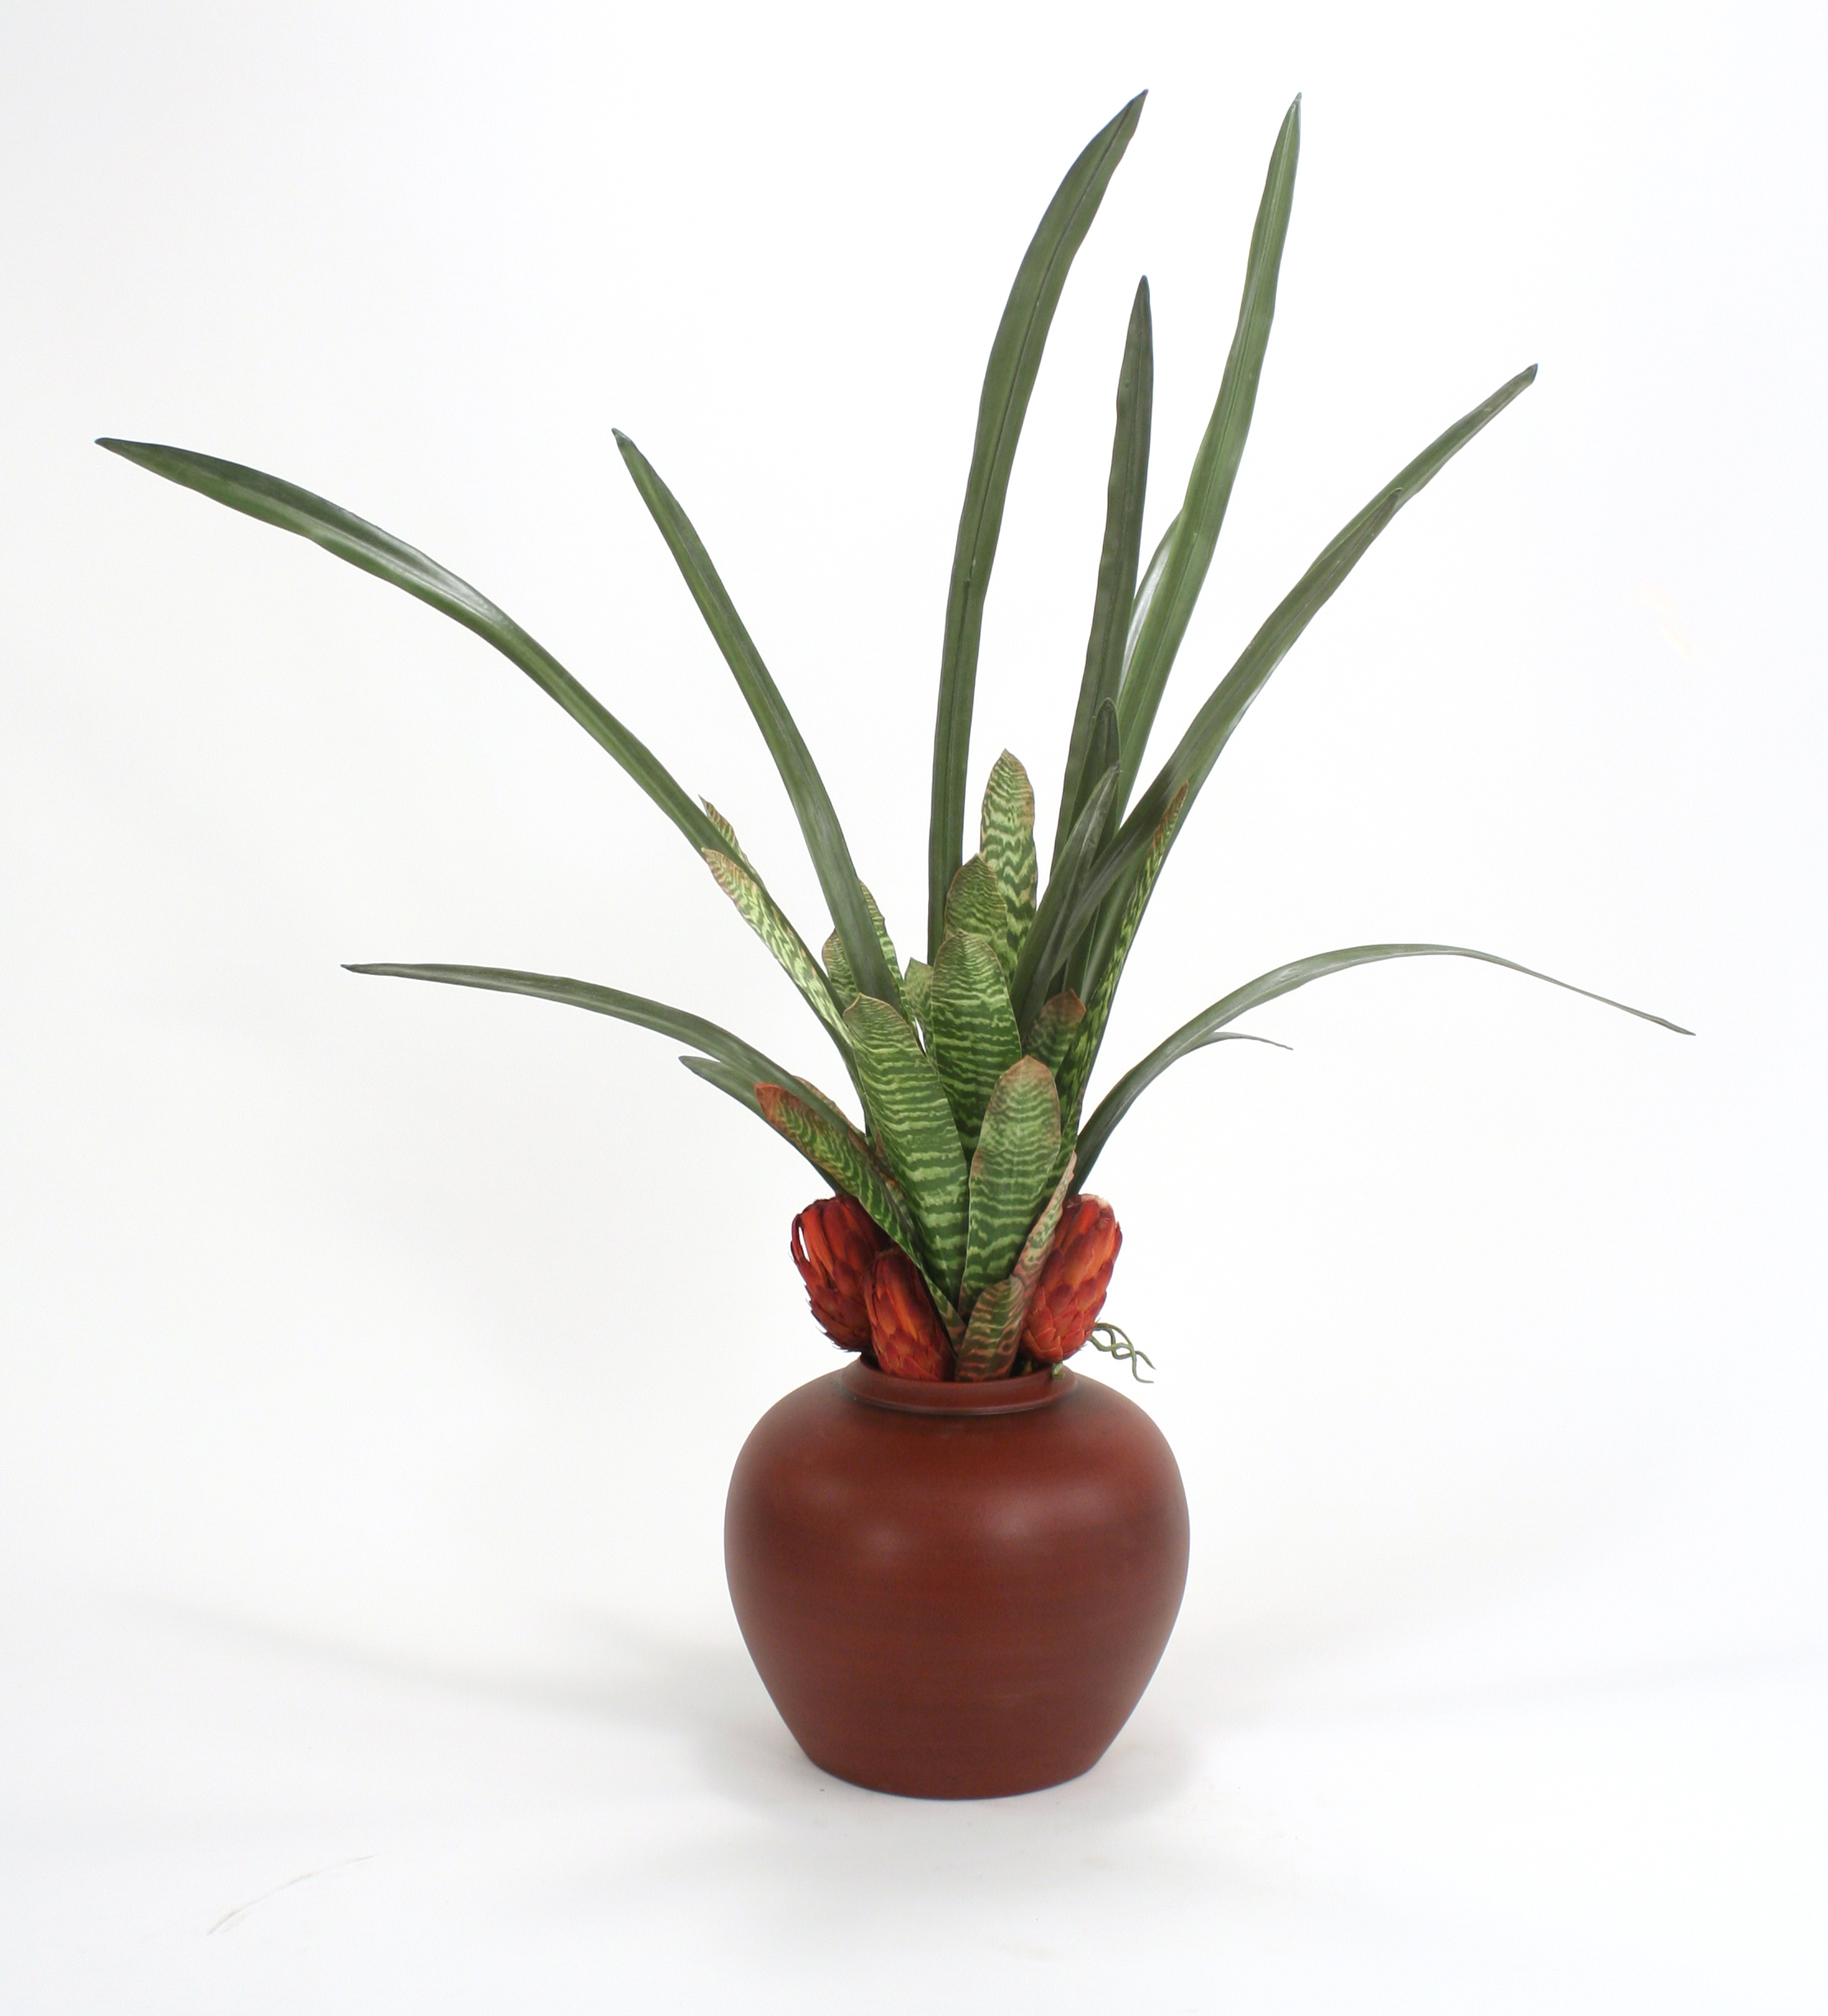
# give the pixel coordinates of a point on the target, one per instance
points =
(955, 1591)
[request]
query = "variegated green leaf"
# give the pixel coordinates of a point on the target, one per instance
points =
(730, 845)
(917, 990)
(971, 1028)
(994, 1333)
(1107, 960)
(764, 917)
(1006, 838)
(975, 904)
(1055, 1027)
(889, 960)
(837, 967)
(844, 1157)
(1015, 1167)
(908, 1106)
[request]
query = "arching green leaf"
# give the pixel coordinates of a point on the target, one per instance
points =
(1215, 467)
(1206, 1026)
(818, 821)
(1105, 653)
(1015, 358)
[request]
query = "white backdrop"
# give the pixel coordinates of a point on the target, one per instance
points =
(376, 1356)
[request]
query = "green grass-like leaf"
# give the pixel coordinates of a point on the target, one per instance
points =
(1206, 1026)
(1054, 929)
(1215, 467)
(812, 803)
(276, 502)
(1009, 379)
(1211, 727)
(1124, 494)
(1108, 961)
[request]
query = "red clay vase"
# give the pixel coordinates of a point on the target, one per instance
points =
(955, 1591)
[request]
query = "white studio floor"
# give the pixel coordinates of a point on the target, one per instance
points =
(204, 1815)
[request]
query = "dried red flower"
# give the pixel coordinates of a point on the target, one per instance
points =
(1073, 1282)
(835, 1243)
(905, 1330)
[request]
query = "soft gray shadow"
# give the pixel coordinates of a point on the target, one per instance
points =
(708, 1698)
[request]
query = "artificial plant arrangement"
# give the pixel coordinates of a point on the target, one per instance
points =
(961, 1243)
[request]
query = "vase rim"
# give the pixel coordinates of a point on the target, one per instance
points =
(956, 1397)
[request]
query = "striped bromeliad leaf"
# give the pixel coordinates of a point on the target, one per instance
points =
(1055, 1029)
(994, 1333)
(1016, 1165)
(764, 917)
(917, 991)
(837, 967)
(908, 1105)
(971, 1028)
(975, 906)
(729, 832)
(843, 1157)
(1005, 839)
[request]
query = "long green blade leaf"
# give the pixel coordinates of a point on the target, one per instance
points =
(378, 553)
(1015, 358)
(1215, 467)
(1107, 963)
(677, 1023)
(1103, 677)
(1205, 1027)
(1144, 592)
(818, 820)
(1050, 937)
(1199, 748)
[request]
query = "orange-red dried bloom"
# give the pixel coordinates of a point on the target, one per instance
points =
(905, 1330)
(1070, 1291)
(835, 1244)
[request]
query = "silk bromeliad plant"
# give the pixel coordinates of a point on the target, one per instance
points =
(961, 1242)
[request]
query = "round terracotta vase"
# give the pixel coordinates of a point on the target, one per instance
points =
(955, 1591)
